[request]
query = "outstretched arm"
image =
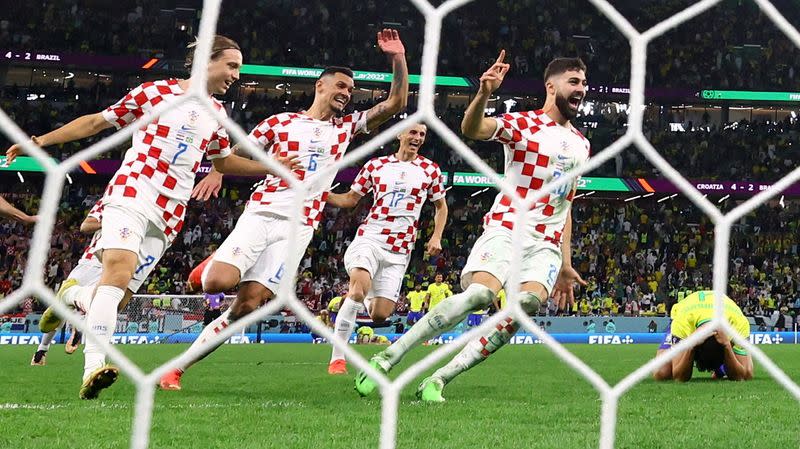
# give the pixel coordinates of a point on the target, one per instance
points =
(475, 124)
(390, 43)
(344, 200)
(80, 128)
(90, 225)
(237, 165)
(9, 211)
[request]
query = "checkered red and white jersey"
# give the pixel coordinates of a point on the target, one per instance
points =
(399, 190)
(537, 151)
(158, 173)
(95, 212)
(318, 145)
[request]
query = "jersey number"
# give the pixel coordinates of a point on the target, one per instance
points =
(182, 147)
(147, 262)
(561, 191)
(396, 197)
(312, 162)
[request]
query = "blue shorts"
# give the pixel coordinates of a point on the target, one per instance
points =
(475, 319)
(669, 340)
(414, 316)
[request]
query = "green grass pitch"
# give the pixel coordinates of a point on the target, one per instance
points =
(280, 396)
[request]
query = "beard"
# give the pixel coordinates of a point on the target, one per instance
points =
(562, 103)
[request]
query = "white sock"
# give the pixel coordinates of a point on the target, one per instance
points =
(80, 296)
(478, 350)
(101, 319)
(441, 318)
(209, 332)
(46, 340)
(345, 324)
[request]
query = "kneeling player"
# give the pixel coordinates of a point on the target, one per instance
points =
(717, 353)
(378, 257)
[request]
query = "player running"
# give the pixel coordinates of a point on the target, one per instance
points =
(717, 353)
(86, 272)
(539, 146)
(377, 258)
(253, 255)
(146, 198)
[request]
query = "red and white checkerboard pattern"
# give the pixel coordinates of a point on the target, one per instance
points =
(95, 212)
(317, 144)
(399, 191)
(538, 151)
(158, 173)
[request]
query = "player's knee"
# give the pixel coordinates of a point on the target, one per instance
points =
(530, 303)
(478, 296)
(356, 294)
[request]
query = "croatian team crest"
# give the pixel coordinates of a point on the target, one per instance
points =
(193, 116)
(317, 132)
(485, 256)
(124, 233)
(237, 251)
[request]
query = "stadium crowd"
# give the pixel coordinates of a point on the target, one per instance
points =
(752, 151)
(748, 51)
(637, 256)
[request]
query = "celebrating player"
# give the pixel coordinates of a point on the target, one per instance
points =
(540, 146)
(146, 198)
(717, 353)
(377, 258)
(86, 272)
(253, 255)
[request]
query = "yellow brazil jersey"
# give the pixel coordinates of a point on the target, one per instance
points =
(365, 330)
(415, 300)
(501, 298)
(438, 294)
(380, 339)
(334, 304)
(698, 308)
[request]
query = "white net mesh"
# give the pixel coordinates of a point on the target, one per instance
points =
(146, 382)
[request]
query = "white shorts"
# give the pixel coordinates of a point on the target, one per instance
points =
(87, 272)
(123, 228)
(386, 268)
(541, 261)
(259, 245)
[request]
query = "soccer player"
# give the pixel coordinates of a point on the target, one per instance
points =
(416, 303)
(540, 146)
(437, 292)
(253, 255)
(377, 258)
(86, 272)
(146, 198)
(717, 353)
(7, 210)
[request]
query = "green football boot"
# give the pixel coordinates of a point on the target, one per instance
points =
(366, 386)
(430, 390)
(50, 320)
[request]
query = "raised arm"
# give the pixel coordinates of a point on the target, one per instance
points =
(390, 43)
(475, 124)
(80, 128)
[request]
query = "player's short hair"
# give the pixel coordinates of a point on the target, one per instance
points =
(336, 69)
(560, 65)
(709, 355)
(220, 44)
